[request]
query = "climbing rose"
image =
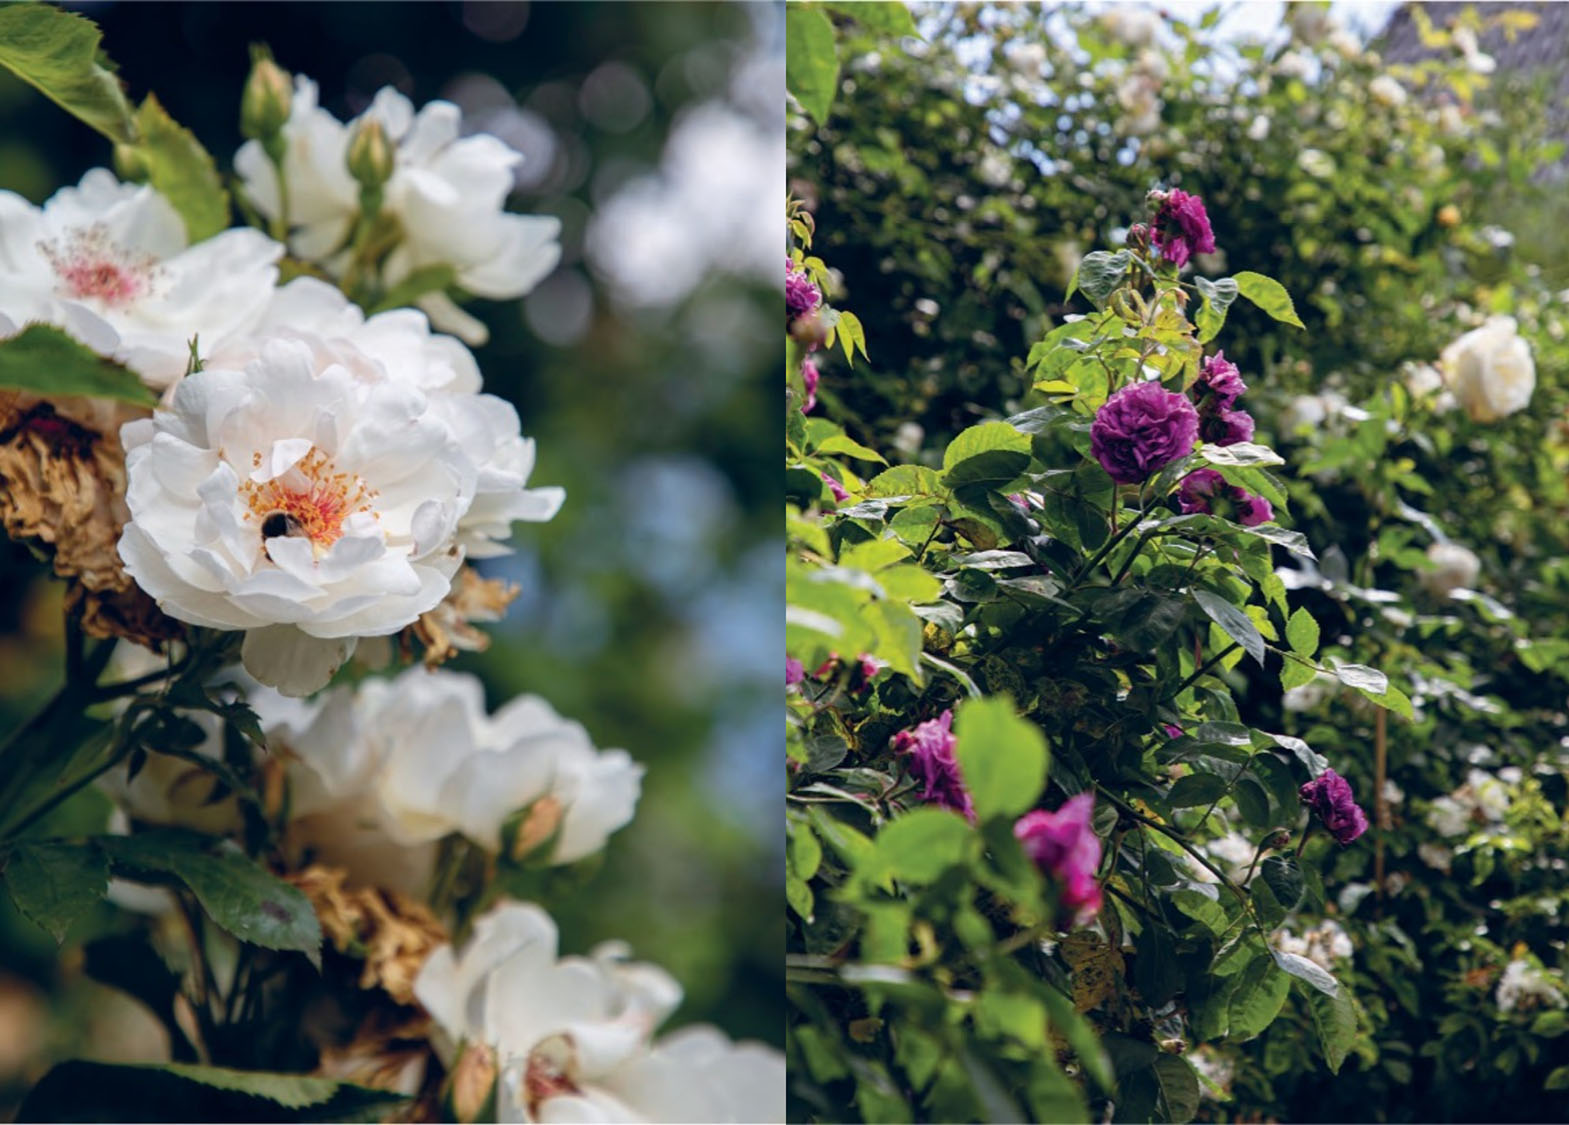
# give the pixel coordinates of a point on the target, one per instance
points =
(1202, 487)
(1064, 845)
(810, 377)
(1181, 227)
(840, 495)
(1140, 430)
(1221, 379)
(930, 746)
(1226, 427)
(795, 671)
(1490, 370)
(801, 296)
(1329, 797)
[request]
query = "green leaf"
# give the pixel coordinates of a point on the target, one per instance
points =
(883, 17)
(1302, 633)
(1242, 455)
(841, 443)
(1558, 1079)
(1258, 997)
(992, 453)
(1178, 1086)
(811, 59)
(917, 847)
(92, 1091)
(1308, 971)
(45, 361)
(1236, 624)
(182, 171)
(1100, 273)
(54, 883)
(1194, 790)
(1335, 1021)
(1218, 296)
(57, 53)
(1002, 757)
(1284, 876)
(1269, 295)
(238, 894)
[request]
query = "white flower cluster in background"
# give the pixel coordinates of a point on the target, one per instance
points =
(1483, 798)
(1525, 987)
(1324, 944)
(572, 1038)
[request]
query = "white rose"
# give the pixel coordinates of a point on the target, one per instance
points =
(1387, 91)
(1258, 128)
(1454, 567)
(448, 193)
(1448, 817)
(1316, 163)
(1296, 64)
(297, 502)
(398, 345)
(573, 1037)
(380, 775)
(1310, 22)
(1136, 95)
(111, 264)
(1490, 370)
(1133, 24)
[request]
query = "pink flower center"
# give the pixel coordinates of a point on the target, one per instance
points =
(90, 266)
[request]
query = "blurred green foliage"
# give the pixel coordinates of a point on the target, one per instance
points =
(644, 611)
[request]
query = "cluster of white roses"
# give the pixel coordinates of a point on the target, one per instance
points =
(316, 474)
(1526, 987)
(1324, 944)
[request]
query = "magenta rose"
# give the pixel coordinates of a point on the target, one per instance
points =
(930, 748)
(1140, 430)
(1181, 227)
(795, 671)
(801, 296)
(1063, 845)
(810, 377)
(1328, 797)
(1220, 381)
(1226, 427)
(840, 495)
(1203, 491)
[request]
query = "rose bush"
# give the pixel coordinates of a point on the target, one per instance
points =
(1424, 452)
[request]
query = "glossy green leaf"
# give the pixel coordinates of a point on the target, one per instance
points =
(54, 882)
(1002, 757)
(182, 171)
(1269, 295)
(58, 52)
(1236, 624)
(45, 361)
(1334, 1021)
(811, 58)
(1302, 633)
(1259, 995)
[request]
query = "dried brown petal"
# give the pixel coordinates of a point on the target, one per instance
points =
(446, 630)
(62, 487)
(390, 1051)
(388, 930)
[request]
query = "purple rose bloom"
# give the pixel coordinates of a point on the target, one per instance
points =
(1063, 844)
(795, 671)
(1181, 227)
(1221, 380)
(811, 377)
(1226, 427)
(1252, 510)
(869, 666)
(801, 296)
(1172, 730)
(1201, 488)
(1140, 430)
(840, 495)
(930, 747)
(1328, 796)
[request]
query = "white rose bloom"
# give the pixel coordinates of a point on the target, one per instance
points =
(1524, 987)
(1436, 856)
(1454, 568)
(1138, 99)
(1258, 129)
(1310, 22)
(1133, 24)
(1345, 44)
(1296, 64)
(1466, 43)
(111, 264)
(1488, 794)
(1448, 817)
(1387, 91)
(380, 775)
(398, 345)
(447, 191)
(297, 502)
(1490, 370)
(572, 1036)
(1317, 163)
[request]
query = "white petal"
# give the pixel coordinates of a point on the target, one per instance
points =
(295, 663)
